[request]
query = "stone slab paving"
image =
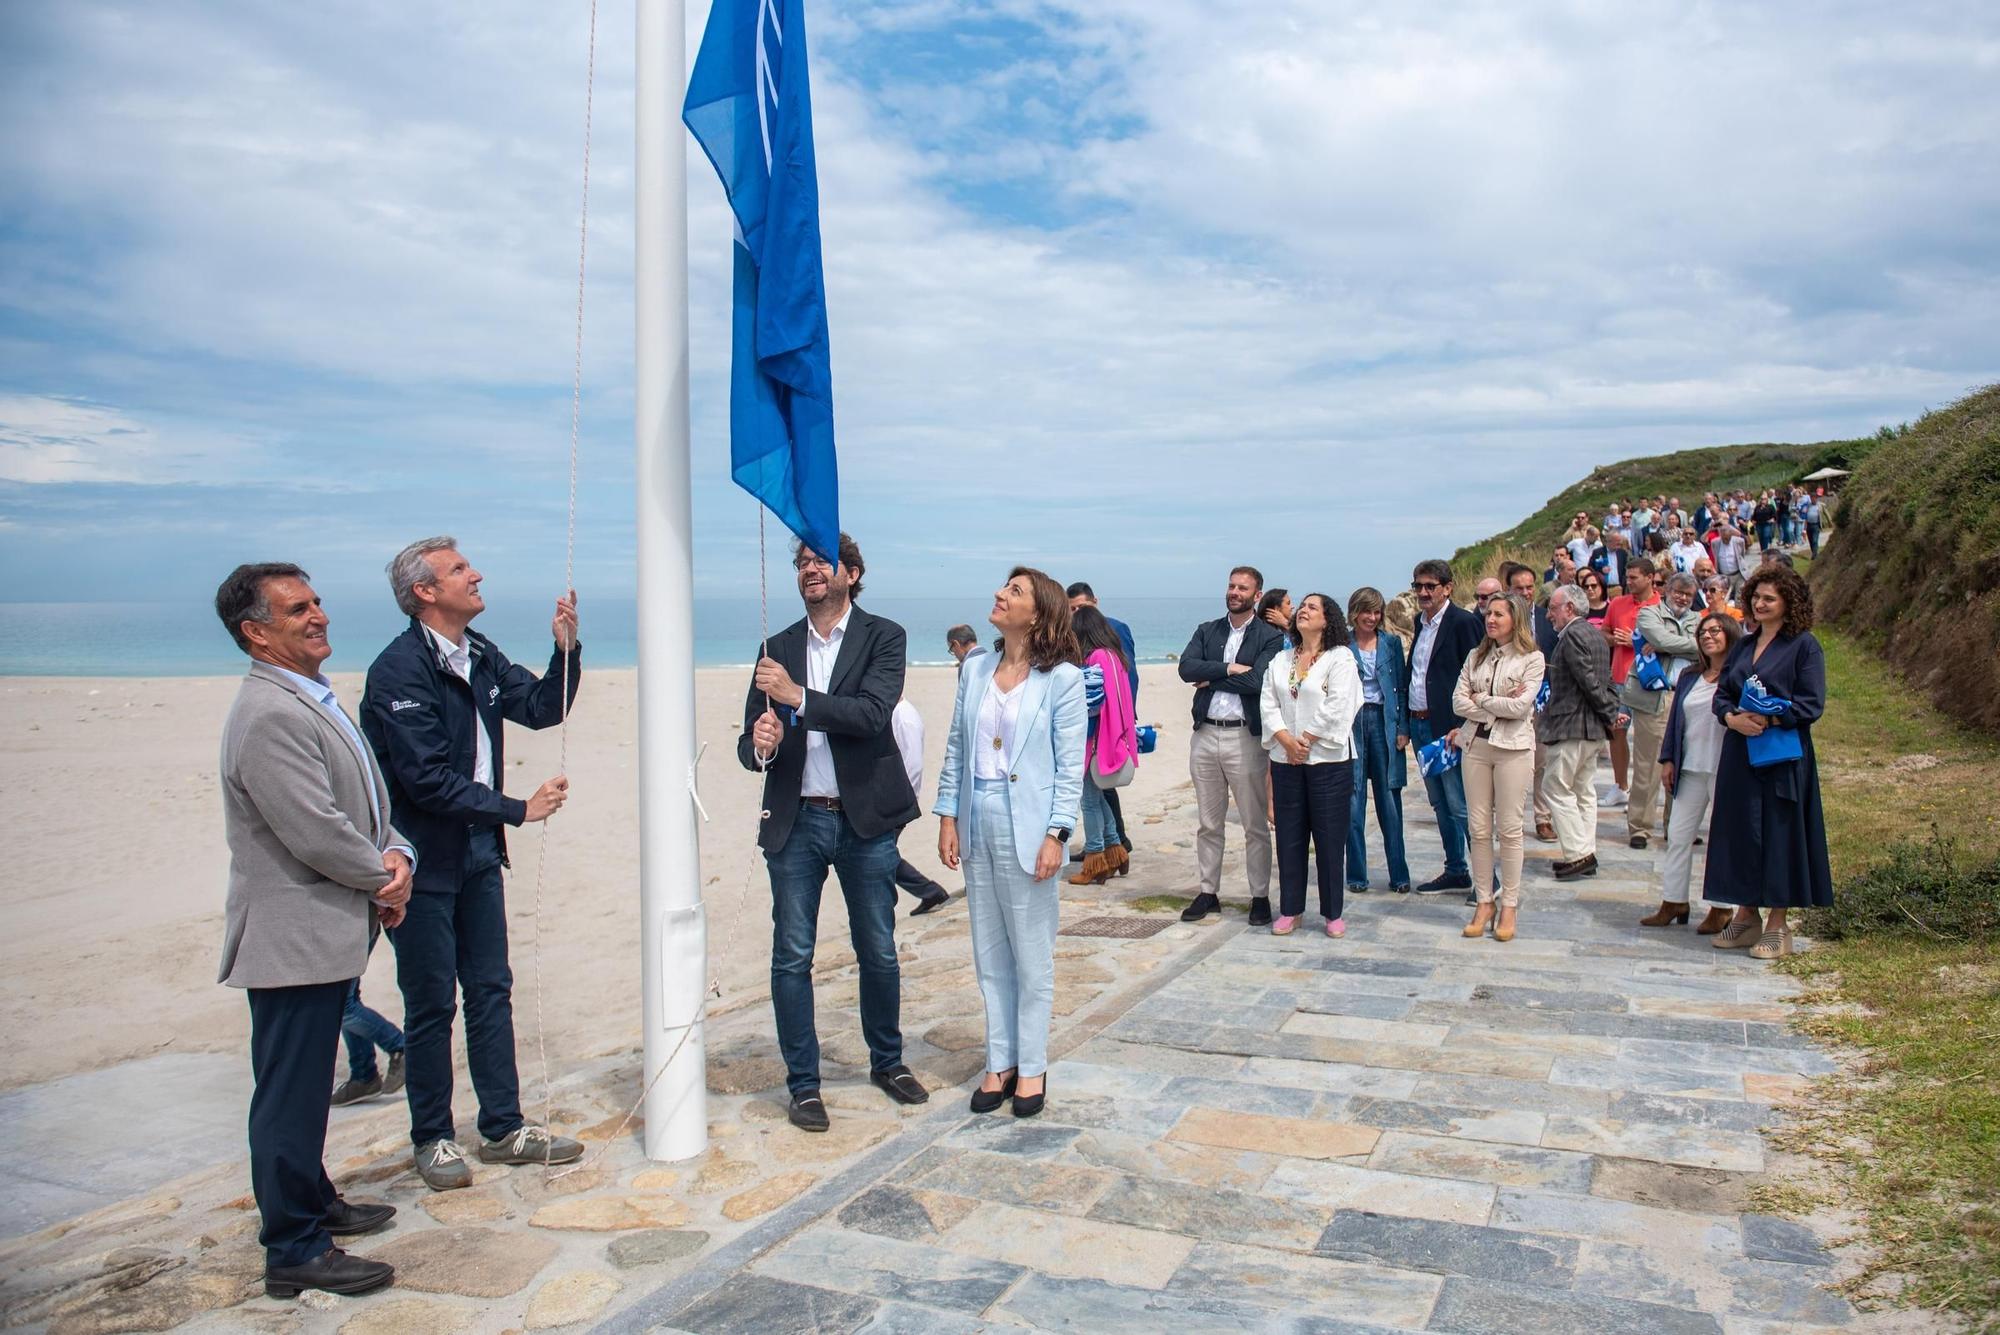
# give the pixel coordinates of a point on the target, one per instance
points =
(1400, 1130)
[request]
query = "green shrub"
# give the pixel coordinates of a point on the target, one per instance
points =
(1925, 889)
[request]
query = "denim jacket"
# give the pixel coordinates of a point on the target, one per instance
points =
(1395, 707)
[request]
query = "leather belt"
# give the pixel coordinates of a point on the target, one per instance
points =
(823, 803)
(1225, 723)
(1420, 713)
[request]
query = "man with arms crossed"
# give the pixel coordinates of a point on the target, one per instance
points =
(817, 721)
(1225, 662)
(312, 861)
(434, 710)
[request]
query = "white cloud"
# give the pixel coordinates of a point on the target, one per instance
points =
(45, 441)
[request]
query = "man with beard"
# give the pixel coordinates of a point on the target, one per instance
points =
(818, 722)
(1225, 662)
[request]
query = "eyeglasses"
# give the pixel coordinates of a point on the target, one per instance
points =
(1425, 585)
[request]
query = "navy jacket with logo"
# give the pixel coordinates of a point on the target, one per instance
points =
(418, 716)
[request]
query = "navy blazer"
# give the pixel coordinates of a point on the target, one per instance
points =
(1543, 628)
(1670, 745)
(1202, 663)
(418, 717)
(853, 712)
(1456, 639)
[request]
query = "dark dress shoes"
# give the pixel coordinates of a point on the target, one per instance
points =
(1203, 906)
(937, 899)
(900, 1085)
(332, 1270)
(985, 1100)
(1583, 866)
(346, 1219)
(808, 1112)
(1446, 881)
(1260, 912)
(1027, 1105)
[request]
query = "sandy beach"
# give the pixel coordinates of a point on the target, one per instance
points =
(114, 914)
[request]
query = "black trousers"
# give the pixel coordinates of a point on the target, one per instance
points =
(1313, 803)
(912, 881)
(294, 1038)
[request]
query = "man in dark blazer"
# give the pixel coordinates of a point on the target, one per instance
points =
(1225, 662)
(313, 861)
(1521, 583)
(1446, 634)
(435, 709)
(816, 722)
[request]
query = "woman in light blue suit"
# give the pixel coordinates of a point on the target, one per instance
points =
(1381, 730)
(1011, 782)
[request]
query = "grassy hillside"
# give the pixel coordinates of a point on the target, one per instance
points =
(1685, 473)
(1914, 570)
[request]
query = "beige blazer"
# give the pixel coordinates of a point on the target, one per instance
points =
(1511, 718)
(307, 818)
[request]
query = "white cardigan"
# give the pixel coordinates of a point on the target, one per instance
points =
(1326, 704)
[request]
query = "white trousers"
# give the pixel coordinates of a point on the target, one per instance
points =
(1569, 781)
(1226, 764)
(1687, 820)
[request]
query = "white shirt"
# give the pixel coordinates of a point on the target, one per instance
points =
(1225, 705)
(908, 726)
(1579, 550)
(1685, 554)
(821, 654)
(1420, 660)
(1328, 700)
(1701, 730)
(458, 657)
(993, 735)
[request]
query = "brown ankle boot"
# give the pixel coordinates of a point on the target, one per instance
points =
(1117, 860)
(1716, 920)
(1096, 870)
(1666, 915)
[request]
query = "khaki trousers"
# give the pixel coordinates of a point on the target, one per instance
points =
(1496, 789)
(1571, 785)
(1539, 798)
(1226, 764)
(1647, 732)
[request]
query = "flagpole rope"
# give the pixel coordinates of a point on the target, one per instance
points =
(569, 570)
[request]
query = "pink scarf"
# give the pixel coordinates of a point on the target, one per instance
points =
(1117, 737)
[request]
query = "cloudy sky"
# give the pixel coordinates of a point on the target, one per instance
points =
(1134, 288)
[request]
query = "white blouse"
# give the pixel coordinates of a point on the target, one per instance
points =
(993, 737)
(1701, 730)
(1328, 700)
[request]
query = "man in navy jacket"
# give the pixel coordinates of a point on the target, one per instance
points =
(1446, 635)
(434, 711)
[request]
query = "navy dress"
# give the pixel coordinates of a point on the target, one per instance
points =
(1767, 839)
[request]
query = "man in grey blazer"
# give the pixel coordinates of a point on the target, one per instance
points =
(313, 863)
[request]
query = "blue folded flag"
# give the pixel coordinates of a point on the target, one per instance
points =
(1149, 737)
(1542, 696)
(749, 105)
(1776, 744)
(1437, 757)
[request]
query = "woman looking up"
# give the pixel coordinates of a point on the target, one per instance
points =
(1013, 773)
(1311, 695)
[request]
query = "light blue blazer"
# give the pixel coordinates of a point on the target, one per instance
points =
(1047, 776)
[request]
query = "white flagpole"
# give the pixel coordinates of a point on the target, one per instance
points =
(673, 929)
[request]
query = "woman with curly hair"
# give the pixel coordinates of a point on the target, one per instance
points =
(1012, 776)
(1767, 841)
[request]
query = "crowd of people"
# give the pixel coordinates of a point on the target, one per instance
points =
(1696, 671)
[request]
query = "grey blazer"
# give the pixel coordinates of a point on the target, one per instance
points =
(307, 819)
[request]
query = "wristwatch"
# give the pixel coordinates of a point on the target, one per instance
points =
(1059, 833)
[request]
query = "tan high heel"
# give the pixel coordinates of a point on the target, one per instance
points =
(1509, 919)
(1667, 915)
(1740, 935)
(1716, 920)
(1773, 945)
(1482, 918)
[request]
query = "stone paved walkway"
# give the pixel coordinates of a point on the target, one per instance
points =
(1399, 1130)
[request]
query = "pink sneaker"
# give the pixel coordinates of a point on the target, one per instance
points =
(1284, 925)
(1337, 928)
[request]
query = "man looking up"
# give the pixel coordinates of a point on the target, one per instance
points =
(1225, 662)
(312, 861)
(1446, 633)
(818, 720)
(434, 707)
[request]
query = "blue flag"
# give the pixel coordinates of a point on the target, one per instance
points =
(749, 106)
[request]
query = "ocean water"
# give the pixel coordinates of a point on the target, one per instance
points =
(166, 639)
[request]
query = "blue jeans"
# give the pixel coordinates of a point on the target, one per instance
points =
(1373, 757)
(1812, 537)
(1447, 794)
(1013, 934)
(1100, 827)
(366, 1030)
(1765, 533)
(822, 840)
(454, 941)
